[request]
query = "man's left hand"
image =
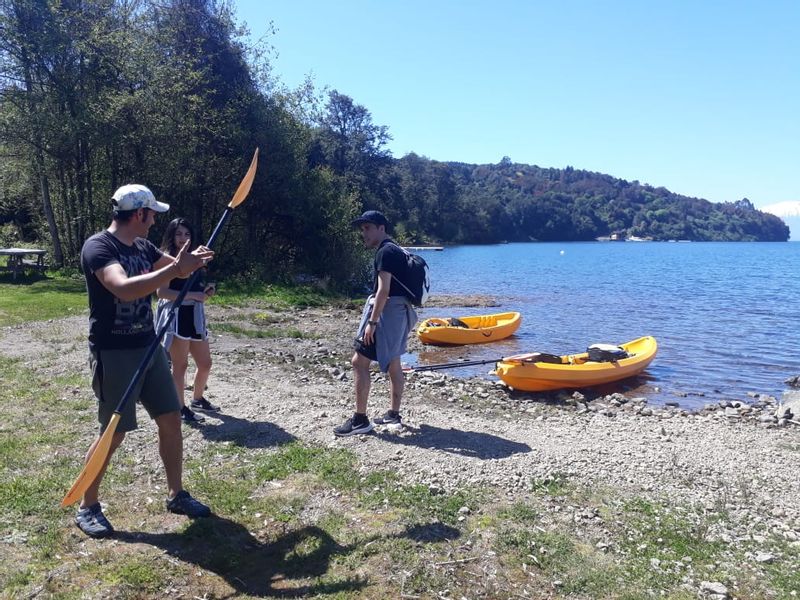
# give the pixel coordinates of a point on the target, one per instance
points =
(369, 334)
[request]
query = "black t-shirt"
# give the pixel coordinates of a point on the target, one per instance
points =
(392, 259)
(198, 285)
(113, 323)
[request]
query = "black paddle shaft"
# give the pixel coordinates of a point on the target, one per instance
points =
(533, 357)
(454, 365)
(151, 350)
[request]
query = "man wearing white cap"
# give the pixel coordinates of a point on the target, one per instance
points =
(122, 270)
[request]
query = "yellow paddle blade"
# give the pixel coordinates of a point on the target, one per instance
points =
(246, 184)
(95, 464)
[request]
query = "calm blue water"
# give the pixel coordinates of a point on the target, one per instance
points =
(726, 315)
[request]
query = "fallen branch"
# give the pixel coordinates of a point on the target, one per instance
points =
(453, 562)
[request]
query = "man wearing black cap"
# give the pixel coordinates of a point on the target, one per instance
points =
(386, 321)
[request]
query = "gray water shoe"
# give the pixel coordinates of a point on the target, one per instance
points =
(184, 504)
(93, 522)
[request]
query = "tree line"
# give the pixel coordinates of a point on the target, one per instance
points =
(463, 203)
(98, 93)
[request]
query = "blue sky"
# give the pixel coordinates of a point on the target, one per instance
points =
(700, 97)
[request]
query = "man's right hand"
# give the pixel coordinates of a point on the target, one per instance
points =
(188, 262)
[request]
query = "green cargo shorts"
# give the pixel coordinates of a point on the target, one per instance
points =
(112, 372)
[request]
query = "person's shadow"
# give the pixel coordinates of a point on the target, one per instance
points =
(279, 568)
(242, 432)
(467, 443)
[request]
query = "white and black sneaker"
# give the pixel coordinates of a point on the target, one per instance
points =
(202, 404)
(355, 425)
(191, 417)
(390, 417)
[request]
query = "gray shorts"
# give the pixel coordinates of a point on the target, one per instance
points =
(112, 371)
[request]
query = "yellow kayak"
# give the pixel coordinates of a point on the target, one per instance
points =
(468, 330)
(524, 372)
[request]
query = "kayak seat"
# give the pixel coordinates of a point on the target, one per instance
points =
(543, 357)
(434, 322)
(453, 322)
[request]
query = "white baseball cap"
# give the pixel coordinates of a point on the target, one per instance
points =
(134, 196)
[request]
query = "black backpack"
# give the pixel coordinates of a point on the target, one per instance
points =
(606, 353)
(418, 279)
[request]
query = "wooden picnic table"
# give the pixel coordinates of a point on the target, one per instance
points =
(17, 261)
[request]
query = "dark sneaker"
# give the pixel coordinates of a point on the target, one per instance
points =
(184, 504)
(203, 404)
(190, 416)
(390, 417)
(93, 522)
(355, 425)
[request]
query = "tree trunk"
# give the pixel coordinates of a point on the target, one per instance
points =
(47, 207)
(65, 208)
(41, 173)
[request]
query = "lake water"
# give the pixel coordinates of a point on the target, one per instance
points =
(726, 315)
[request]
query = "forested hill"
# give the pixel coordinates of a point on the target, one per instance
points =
(457, 202)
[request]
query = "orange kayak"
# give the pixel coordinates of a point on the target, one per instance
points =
(575, 370)
(468, 330)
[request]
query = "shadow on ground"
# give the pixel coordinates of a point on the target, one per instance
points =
(242, 432)
(467, 443)
(286, 567)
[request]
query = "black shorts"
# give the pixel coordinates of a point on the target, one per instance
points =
(369, 351)
(186, 329)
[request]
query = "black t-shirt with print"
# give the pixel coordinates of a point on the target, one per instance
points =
(392, 259)
(113, 323)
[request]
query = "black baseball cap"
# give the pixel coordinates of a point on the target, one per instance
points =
(371, 216)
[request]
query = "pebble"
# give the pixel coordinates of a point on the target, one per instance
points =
(714, 587)
(765, 557)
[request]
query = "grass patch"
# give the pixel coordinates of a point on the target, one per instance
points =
(139, 573)
(27, 495)
(383, 489)
(548, 550)
(32, 479)
(661, 543)
(660, 531)
(231, 491)
(229, 495)
(263, 318)
(16, 579)
(269, 332)
(556, 484)
(33, 476)
(556, 554)
(335, 467)
(41, 299)
(280, 297)
(784, 575)
(520, 512)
